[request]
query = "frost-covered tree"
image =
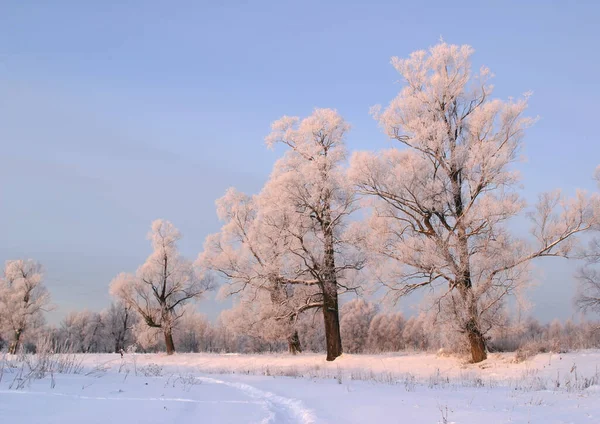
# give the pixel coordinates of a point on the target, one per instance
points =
(224, 339)
(255, 314)
(385, 332)
(162, 285)
(118, 320)
(356, 317)
(307, 201)
(311, 332)
(250, 260)
(23, 299)
(414, 334)
(441, 203)
(193, 330)
(588, 298)
(289, 240)
(83, 331)
(555, 333)
(532, 329)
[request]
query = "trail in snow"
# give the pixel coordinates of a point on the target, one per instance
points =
(163, 399)
(275, 409)
(283, 410)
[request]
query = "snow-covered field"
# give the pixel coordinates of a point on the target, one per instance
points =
(399, 388)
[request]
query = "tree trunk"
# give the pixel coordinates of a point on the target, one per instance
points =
(14, 346)
(169, 342)
(294, 343)
(331, 317)
(477, 342)
(472, 328)
(119, 344)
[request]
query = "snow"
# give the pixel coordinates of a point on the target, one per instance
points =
(415, 388)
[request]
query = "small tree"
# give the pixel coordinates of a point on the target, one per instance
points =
(83, 331)
(414, 334)
(356, 317)
(23, 299)
(256, 314)
(193, 330)
(162, 285)
(385, 332)
(442, 203)
(119, 320)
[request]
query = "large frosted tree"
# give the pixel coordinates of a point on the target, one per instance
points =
(162, 285)
(307, 200)
(442, 202)
(289, 240)
(23, 299)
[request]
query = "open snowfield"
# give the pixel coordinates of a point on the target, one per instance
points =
(398, 388)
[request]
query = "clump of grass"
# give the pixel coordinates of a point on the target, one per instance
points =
(50, 358)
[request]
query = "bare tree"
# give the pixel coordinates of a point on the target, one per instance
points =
(193, 330)
(441, 204)
(83, 331)
(119, 319)
(23, 298)
(162, 285)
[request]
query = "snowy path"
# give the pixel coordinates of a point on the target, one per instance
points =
(281, 409)
(87, 399)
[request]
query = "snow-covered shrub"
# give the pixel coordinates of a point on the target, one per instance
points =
(530, 349)
(151, 370)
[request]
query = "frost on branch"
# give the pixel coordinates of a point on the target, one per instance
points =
(442, 199)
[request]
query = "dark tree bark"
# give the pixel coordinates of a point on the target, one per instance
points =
(294, 343)
(333, 337)
(477, 342)
(331, 316)
(169, 342)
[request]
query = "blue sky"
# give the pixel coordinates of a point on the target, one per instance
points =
(113, 114)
